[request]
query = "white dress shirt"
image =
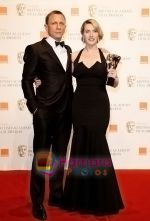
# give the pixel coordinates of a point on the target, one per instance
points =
(60, 51)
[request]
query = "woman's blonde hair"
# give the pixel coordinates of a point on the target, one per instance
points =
(95, 25)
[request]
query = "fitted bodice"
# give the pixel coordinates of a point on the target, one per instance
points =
(94, 75)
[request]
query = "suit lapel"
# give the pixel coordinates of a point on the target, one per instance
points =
(50, 50)
(68, 57)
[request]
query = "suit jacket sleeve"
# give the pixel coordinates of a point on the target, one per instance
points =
(28, 76)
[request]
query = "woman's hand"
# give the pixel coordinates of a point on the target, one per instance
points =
(113, 73)
(37, 82)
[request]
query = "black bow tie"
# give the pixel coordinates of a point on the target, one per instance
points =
(61, 43)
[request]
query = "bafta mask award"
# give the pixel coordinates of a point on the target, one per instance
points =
(112, 62)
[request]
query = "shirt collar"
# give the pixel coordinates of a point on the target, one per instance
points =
(51, 41)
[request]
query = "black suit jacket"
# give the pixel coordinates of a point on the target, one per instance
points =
(42, 62)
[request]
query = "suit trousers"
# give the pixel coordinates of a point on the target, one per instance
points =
(51, 129)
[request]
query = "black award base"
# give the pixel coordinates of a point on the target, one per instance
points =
(110, 81)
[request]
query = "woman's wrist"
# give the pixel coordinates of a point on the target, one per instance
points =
(116, 81)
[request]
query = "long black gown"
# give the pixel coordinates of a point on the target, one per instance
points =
(91, 184)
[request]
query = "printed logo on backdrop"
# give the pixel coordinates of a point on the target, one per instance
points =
(4, 152)
(132, 34)
(4, 106)
(139, 35)
(120, 106)
(125, 59)
(138, 81)
(145, 12)
(74, 11)
(31, 10)
(92, 9)
(131, 80)
(113, 128)
(105, 11)
(73, 36)
(21, 9)
(9, 83)
(130, 126)
(14, 129)
(114, 35)
(21, 103)
(137, 127)
(144, 59)
(142, 151)
(3, 10)
(3, 59)
(22, 150)
(143, 105)
(20, 57)
(119, 151)
(12, 35)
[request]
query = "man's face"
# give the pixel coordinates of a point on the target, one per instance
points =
(56, 26)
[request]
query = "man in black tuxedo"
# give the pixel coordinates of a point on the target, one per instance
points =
(50, 61)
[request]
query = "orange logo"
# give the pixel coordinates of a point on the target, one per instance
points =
(145, 12)
(74, 11)
(3, 105)
(3, 10)
(143, 105)
(3, 59)
(142, 151)
(113, 128)
(114, 35)
(144, 59)
(4, 152)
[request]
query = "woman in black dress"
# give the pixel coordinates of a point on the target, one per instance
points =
(91, 185)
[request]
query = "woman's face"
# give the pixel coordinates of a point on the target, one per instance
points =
(90, 35)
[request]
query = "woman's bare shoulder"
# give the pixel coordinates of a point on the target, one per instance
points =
(105, 52)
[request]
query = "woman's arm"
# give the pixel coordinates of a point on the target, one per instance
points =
(73, 57)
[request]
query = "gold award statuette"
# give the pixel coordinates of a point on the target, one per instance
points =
(112, 62)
